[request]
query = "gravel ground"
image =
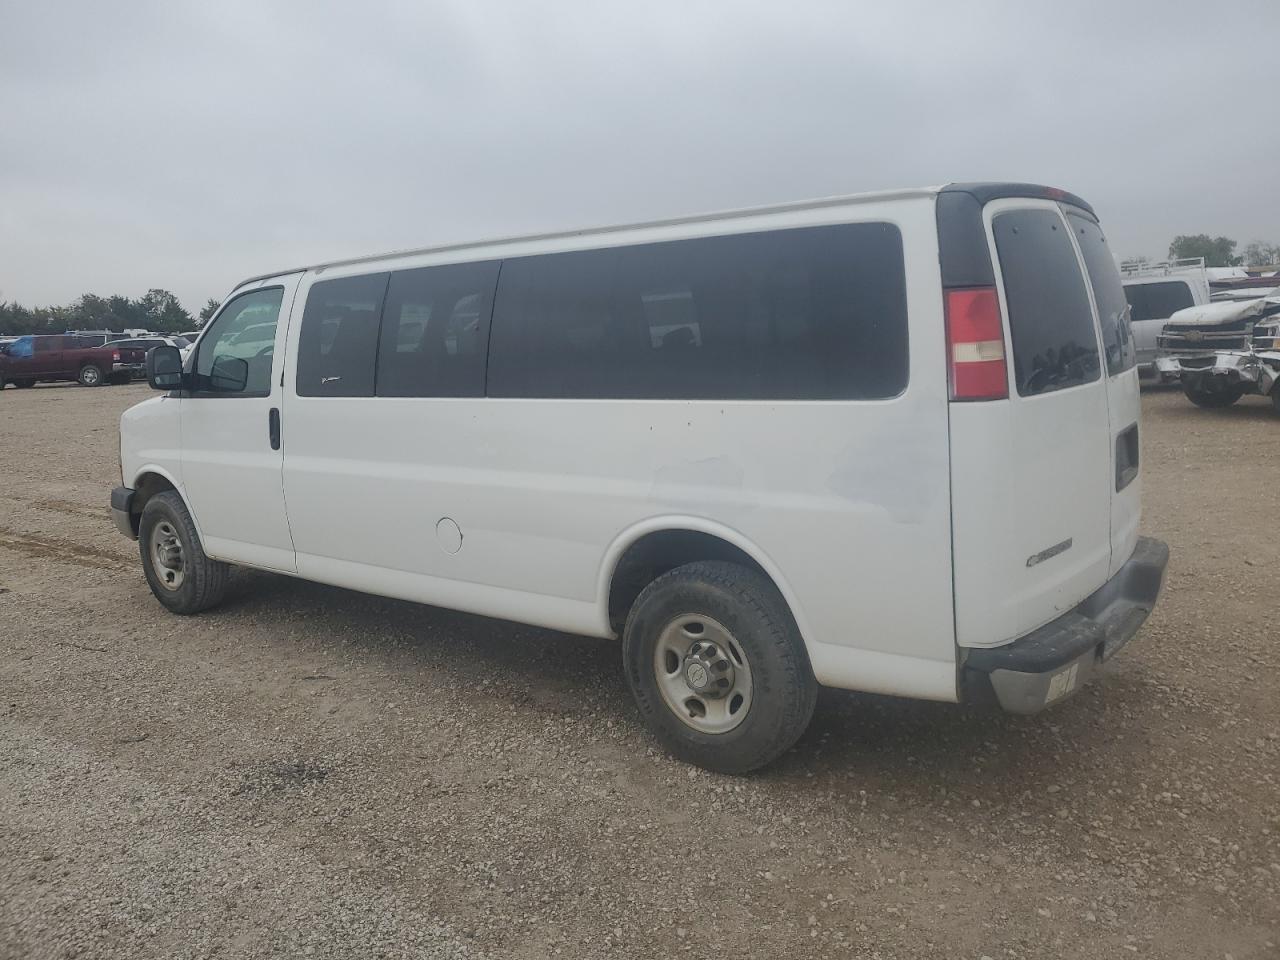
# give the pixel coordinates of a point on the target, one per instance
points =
(310, 772)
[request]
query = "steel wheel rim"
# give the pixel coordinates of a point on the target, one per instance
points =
(91, 376)
(167, 556)
(703, 674)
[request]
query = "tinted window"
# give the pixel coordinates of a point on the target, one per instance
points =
(1158, 301)
(235, 356)
(435, 331)
(1054, 341)
(814, 313)
(338, 345)
(1108, 293)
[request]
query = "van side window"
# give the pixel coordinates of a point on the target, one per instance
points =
(1108, 294)
(815, 313)
(1157, 301)
(338, 344)
(435, 331)
(1055, 343)
(236, 353)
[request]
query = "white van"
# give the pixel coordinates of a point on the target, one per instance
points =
(885, 443)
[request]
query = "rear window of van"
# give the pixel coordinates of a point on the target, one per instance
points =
(1050, 319)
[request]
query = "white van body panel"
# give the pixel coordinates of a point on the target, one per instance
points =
(1028, 475)
(827, 496)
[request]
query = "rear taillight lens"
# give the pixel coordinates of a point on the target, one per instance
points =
(115, 356)
(975, 345)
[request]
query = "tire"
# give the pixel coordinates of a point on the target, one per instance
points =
(196, 583)
(739, 615)
(90, 375)
(1275, 397)
(24, 384)
(1212, 398)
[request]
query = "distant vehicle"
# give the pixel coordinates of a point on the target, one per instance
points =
(95, 338)
(147, 344)
(884, 443)
(35, 359)
(1224, 350)
(1155, 292)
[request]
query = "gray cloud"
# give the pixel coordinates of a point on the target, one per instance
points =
(187, 145)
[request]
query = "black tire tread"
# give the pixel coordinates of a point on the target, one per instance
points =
(760, 601)
(1212, 399)
(208, 578)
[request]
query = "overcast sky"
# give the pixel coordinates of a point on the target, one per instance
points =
(186, 145)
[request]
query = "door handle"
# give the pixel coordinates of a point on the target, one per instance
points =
(273, 427)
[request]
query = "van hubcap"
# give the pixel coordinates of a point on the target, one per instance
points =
(702, 674)
(166, 555)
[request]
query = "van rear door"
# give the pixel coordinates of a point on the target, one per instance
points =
(1031, 471)
(1124, 399)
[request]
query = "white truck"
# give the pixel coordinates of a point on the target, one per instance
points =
(1224, 350)
(1155, 292)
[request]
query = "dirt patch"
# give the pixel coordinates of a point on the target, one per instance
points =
(60, 550)
(308, 771)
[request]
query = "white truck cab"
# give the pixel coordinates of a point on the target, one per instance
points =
(1155, 292)
(886, 443)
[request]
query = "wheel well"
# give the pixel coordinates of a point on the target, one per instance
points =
(654, 554)
(146, 487)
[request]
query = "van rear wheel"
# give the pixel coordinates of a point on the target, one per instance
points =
(182, 578)
(1212, 398)
(717, 667)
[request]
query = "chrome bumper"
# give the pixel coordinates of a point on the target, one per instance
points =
(1260, 371)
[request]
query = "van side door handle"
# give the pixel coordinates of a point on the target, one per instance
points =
(273, 427)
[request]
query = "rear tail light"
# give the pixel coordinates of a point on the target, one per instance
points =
(975, 345)
(115, 356)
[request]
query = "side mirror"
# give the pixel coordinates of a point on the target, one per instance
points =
(229, 374)
(164, 368)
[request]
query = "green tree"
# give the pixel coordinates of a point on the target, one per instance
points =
(1259, 254)
(163, 312)
(208, 310)
(1217, 251)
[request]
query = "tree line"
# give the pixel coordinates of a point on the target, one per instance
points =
(1221, 251)
(157, 310)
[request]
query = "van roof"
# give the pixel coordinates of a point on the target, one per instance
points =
(980, 191)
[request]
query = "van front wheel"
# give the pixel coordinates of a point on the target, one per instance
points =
(177, 570)
(717, 666)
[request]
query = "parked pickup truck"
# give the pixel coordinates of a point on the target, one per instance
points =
(33, 359)
(1224, 350)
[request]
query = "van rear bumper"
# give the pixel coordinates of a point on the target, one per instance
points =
(1056, 660)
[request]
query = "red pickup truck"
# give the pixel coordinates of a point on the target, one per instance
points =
(29, 360)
